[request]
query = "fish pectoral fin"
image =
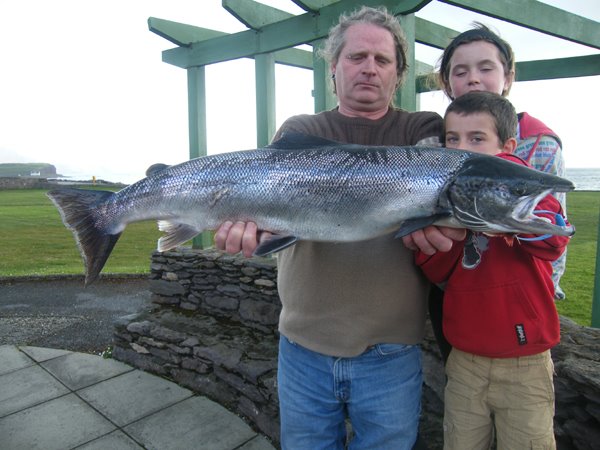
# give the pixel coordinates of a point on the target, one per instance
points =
(411, 225)
(274, 244)
(175, 234)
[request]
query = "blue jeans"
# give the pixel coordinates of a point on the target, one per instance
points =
(379, 391)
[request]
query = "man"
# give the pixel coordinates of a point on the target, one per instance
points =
(353, 314)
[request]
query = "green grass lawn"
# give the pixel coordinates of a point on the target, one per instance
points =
(578, 282)
(35, 242)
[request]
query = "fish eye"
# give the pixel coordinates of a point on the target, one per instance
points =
(520, 189)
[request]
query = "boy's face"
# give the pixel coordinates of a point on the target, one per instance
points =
(475, 132)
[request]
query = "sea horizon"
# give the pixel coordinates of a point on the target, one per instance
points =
(585, 179)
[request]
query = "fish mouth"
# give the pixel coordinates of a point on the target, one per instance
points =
(522, 220)
(528, 221)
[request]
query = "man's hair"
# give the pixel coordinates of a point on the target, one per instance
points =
(503, 112)
(479, 32)
(366, 15)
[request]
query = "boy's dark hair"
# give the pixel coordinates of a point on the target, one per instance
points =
(503, 112)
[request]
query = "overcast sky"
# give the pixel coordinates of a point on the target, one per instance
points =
(83, 86)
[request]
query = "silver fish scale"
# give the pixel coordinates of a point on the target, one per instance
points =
(363, 191)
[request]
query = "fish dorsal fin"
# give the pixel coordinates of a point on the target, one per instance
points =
(175, 234)
(155, 168)
(274, 244)
(292, 140)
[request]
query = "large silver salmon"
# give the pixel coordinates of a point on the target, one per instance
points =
(307, 188)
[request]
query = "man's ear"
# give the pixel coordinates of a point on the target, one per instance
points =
(510, 145)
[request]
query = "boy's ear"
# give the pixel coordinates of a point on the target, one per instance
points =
(510, 145)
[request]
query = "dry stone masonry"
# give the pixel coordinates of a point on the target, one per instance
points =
(214, 330)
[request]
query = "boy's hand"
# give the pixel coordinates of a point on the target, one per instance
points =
(434, 239)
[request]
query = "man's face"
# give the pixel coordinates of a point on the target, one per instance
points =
(475, 132)
(365, 74)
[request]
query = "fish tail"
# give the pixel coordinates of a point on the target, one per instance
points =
(95, 244)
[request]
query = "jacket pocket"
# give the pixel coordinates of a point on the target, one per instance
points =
(492, 321)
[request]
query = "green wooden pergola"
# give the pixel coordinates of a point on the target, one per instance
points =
(272, 35)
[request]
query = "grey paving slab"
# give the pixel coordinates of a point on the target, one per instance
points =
(133, 395)
(40, 354)
(117, 440)
(80, 370)
(197, 423)
(258, 443)
(12, 359)
(62, 423)
(27, 387)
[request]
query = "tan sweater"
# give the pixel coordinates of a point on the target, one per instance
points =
(340, 298)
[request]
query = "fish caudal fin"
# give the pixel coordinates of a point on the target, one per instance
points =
(95, 244)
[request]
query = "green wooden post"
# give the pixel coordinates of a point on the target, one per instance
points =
(324, 98)
(264, 64)
(197, 129)
(596, 299)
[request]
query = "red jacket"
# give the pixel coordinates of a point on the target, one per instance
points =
(504, 306)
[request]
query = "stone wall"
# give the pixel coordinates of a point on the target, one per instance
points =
(24, 183)
(214, 330)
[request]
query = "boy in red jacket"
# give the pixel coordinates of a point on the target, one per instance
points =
(499, 312)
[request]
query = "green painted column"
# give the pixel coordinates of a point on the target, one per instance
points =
(197, 130)
(264, 64)
(324, 98)
(406, 96)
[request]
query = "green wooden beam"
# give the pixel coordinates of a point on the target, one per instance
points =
(424, 78)
(253, 14)
(422, 68)
(426, 83)
(294, 57)
(549, 69)
(537, 16)
(296, 30)
(183, 35)
(432, 34)
(180, 33)
(543, 69)
(313, 5)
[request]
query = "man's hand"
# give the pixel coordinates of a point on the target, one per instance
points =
(434, 239)
(239, 237)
